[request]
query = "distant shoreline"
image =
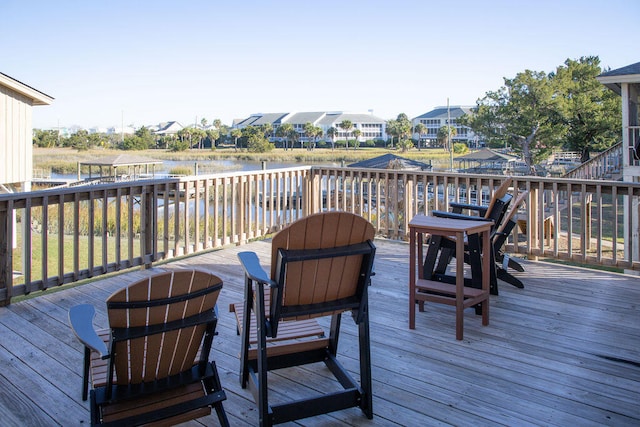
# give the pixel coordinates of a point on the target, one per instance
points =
(65, 160)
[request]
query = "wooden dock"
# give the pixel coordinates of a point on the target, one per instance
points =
(563, 351)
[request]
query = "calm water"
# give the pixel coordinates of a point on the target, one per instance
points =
(207, 167)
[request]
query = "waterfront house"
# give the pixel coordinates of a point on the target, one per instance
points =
(439, 117)
(370, 126)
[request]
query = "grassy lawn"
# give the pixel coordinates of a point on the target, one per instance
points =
(65, 160)
(68, 261)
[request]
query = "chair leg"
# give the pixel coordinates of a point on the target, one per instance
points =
(446, 255)
(334, 333)
(431, 257)
(510, 279)
(246, 333)
(515, 265)
(213, 385)
(263, 396)
(85, 373)
(366, 404)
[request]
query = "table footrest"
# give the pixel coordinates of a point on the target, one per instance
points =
(431, 290)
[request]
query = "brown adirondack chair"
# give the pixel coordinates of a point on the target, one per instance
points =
(320, 266)
(152, 364)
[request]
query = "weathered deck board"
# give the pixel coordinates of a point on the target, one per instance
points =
(564, 350)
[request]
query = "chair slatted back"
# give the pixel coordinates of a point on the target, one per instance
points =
(498, 211)
(149, 338)
(316, 281)
(514, 209)
(500, 192)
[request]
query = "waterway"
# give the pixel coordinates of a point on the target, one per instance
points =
(204, 167)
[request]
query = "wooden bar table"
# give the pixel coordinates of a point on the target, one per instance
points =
(458, 295)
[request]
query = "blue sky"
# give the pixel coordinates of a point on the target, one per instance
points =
(149, 62)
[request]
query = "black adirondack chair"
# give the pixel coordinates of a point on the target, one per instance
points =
(504, 262)
(442, 250)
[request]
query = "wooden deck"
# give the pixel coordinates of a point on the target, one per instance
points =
(563, 351)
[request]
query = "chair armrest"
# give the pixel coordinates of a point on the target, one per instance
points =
(81, 320)
(452, 215)
(458, 207)
(252, 268)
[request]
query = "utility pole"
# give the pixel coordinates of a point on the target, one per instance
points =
(449, 137)
(122, 128)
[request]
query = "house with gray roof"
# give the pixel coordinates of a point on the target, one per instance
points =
(167, 128)
(439, 117)
(259, 119)
(370, 126)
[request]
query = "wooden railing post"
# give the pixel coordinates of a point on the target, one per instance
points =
(148, 224)
(588, 198)
(409, 197)
(532, 223)
(6, 271)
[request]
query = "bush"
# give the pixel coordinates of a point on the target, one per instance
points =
(380, 143)
(179, 145)
(460, 148)
(368, 143)
(181, 170)
(259, 144)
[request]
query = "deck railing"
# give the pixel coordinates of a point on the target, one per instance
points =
(58, 236)
(605, 165)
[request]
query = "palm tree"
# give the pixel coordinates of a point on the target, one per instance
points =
(213, 135)
(392, 129)
(420, 128)
(318, 132)
(346, 126)
(223, 130)
(331, 133)
(356, 134)
(404, 127)
(199, 134)
(445, 136)
(310, 132)
(235, 134)
(294, 135)
(284, 131)
(267, 130)
(186, 133)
